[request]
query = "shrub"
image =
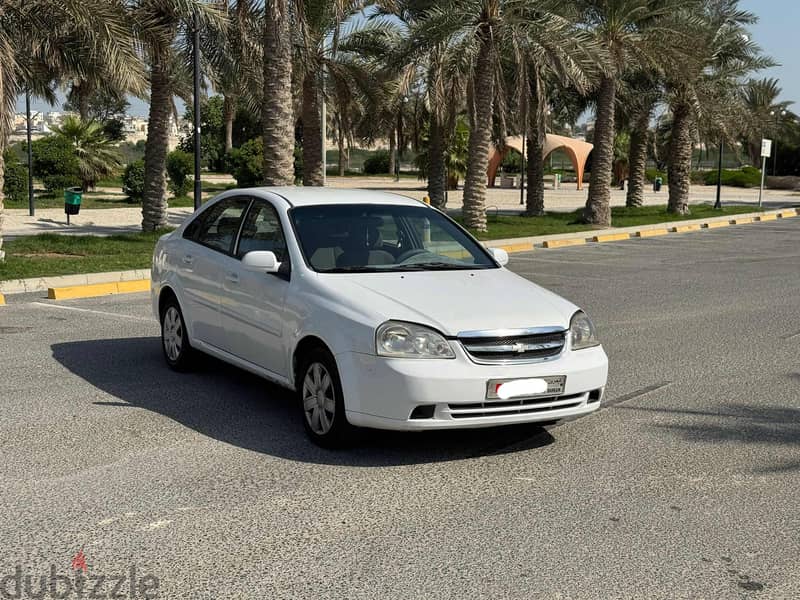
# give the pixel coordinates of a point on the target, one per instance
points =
(133, 180)
(15, 184)
(247, 163)
(180, 165)
(745, 177)
(651, 174)
(55, 163)
(377, 164)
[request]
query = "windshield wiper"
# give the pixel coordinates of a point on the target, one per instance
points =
(439, 266)
(353, 269)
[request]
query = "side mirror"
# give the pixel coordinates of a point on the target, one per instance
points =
(500, 255)
(261, 261)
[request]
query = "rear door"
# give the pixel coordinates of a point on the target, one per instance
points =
(253, 304)
(209, 240)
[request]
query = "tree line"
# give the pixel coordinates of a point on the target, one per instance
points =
(432, 73)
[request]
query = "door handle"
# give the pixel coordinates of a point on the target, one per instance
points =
(232, 277)
(188, 259)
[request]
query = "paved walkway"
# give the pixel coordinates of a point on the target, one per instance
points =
(108, 221)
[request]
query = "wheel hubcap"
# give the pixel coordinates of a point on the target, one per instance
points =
(319, 404)
(172, 333)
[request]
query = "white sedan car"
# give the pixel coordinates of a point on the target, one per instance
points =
(376, 309)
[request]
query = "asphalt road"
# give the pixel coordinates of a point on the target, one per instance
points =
(685, 485)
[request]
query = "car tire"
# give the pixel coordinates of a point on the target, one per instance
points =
(178, 351)
(321, 401)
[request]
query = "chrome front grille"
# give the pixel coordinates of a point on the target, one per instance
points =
(523, 345)
(505, 408)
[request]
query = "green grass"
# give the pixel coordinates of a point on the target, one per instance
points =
(52, 254)
(511, 226)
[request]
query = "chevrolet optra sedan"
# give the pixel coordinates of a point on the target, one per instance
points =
(375, 309)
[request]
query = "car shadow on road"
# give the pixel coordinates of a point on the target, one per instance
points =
(238, 408)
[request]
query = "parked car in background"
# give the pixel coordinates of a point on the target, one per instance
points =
(377, 310)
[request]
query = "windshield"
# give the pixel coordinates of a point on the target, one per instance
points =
(372, 238)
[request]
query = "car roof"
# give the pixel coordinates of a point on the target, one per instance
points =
(308, 196)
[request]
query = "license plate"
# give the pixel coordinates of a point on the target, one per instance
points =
(555, 387)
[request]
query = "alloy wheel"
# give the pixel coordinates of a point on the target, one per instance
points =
(319, 404)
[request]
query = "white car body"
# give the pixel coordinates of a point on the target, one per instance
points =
(258, 322)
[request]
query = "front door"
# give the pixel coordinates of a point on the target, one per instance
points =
(252, 304)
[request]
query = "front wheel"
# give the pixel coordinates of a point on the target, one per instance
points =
(174, 339)
(322, 402)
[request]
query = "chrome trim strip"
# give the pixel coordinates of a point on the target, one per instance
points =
(493, 333)
(518, 347)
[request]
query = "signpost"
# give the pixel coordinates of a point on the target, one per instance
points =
(766, 151)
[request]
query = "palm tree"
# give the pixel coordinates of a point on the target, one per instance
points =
(635, 33)
(277, 114)
(640, 93)
(161, 25)
(97, 156)
(36, 42)
(704, 88)
(766, 116)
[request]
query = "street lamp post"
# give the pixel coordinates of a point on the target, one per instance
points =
(31, 207)
(718, 203)
(777, 116)
(196, 57)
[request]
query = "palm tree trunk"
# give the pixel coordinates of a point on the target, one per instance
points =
(276, 115)
(343, 154)
(392, 151)
(474, 210)
(598, 203)
(229, 113)
(312, 133)
(680, 160)
(637, 156)
(437, 169)
(154, 199)
(534, 172)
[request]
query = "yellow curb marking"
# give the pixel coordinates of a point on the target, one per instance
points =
(743, 221)
(516, 247)
(684, 228)
(786, 214)
(563, 243)
(2, 300)
(646, 233)
(98, 289)
(611, 237)
(716, 224)
(769, 217)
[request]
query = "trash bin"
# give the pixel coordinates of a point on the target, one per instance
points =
(72, 201)
(557, 181)
(657, 184)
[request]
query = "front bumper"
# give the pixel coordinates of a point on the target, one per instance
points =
(384, 392)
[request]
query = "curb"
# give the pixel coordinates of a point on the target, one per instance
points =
(98, 289)
(42, 284)
(563, 240)
(2, 300)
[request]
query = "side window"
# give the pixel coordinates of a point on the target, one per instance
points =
(221, 224)
(262, 231)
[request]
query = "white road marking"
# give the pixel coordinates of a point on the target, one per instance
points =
(107, 521)
(156, 525)
(96, 312)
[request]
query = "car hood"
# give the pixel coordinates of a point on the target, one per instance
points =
(453, 301)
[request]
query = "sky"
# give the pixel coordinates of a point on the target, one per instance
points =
(777, 32)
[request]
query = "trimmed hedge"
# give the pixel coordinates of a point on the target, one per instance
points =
(377, 164)
(180, 165)
(133, 180)
(15, 184)
(746, 177)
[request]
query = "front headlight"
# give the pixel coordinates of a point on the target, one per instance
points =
(582, 332)
(407, 340)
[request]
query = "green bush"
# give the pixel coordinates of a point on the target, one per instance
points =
(15, 184)
(55, 163)
(377, 164)
(247, 163)
(133, 180)
(746, 177)
(651, 175)
(180, 165)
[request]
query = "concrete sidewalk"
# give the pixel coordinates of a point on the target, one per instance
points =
(108, 221)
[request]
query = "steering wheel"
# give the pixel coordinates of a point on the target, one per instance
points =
(410, 253)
